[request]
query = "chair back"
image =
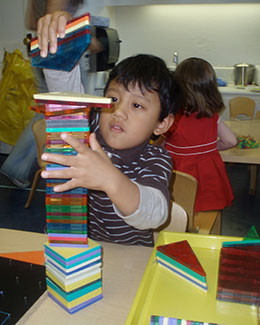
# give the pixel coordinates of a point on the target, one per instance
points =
(183, 191)
(257, 115)
(243, 106)
(39, 132)
(177, 220)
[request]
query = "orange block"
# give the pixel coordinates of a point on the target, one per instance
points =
(34, 257)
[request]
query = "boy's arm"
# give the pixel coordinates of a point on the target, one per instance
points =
(226, 138)
(143, 207)
(153, 183)
(152, 211)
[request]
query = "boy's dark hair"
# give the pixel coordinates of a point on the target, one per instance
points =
(151, 73)
(198, 81)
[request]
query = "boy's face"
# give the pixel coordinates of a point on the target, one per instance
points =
(133, 118)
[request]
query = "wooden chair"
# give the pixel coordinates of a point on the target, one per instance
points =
(183, 191)
(243, 106)
(177, 220)
(246, 106)
(257, 115)
(39, 132)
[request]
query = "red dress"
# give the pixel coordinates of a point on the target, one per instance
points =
(192, 144)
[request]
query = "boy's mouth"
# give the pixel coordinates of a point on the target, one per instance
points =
(116, 128)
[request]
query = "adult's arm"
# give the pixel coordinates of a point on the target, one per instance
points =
(37, 8)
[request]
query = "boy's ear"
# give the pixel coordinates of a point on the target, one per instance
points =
(164, 125)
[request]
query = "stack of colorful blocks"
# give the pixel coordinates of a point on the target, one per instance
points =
(74, 278)
(160, 320)
(239, 272)
(66, 211)
(73, 262)
(180, 259)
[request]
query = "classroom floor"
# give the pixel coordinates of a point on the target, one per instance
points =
(236, 220)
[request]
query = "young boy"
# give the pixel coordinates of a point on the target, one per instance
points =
(127, 177)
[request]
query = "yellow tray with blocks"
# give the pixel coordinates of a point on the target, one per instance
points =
(161, 293)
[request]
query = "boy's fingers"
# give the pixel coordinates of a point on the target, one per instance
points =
(93, 143)
(58, 159)
(64, 187)
(95, 146)
(64, 159)
(61, 173)
(67, 185)
(78, 146)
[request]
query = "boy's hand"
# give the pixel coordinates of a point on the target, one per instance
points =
(48, 27)
(90, 168)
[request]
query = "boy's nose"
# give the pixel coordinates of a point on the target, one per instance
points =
(120, 111)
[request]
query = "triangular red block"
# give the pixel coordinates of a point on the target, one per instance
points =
(182, 253)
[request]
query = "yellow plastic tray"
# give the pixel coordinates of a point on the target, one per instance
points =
(162, 293)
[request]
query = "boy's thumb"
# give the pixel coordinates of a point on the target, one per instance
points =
(93, 143)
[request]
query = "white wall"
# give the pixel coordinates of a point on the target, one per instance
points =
(224, 34)
(97, 8)
(12, 31)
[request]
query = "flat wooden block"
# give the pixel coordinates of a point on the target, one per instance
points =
(68, 97)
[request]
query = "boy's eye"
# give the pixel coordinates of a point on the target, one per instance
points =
(138, 106)
(114, 99)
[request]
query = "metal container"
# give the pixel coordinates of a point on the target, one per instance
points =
(244, 74)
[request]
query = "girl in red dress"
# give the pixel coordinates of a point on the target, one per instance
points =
(198, 134)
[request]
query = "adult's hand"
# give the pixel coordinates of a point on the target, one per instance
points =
(49, 27)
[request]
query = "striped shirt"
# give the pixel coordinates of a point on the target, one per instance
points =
(146, 165)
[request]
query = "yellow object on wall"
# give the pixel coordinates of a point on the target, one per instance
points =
(16, 96)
